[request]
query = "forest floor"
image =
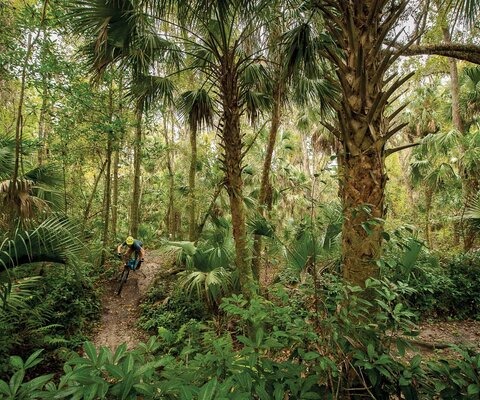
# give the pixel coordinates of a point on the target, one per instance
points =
(118, 323)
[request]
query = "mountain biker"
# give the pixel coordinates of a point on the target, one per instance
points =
(131, 245)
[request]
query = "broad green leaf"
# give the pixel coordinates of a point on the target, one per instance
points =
(91, 351)
(33, 359)
(207, 391)
(16, 380)
(127, 386)
(473, 389)
(4, 388)
(16, 362)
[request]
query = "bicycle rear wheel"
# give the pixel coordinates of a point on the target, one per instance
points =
(123, 279)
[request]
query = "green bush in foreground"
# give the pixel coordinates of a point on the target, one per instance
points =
(355, 348)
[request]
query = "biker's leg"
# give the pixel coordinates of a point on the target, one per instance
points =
(138, 260)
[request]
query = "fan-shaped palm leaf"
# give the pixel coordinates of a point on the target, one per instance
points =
(33, 194)
(467, 9)
(53, 240)
(197, 107)
(210, 286)
(260, 226)
(16, 294)
(147, 90)
(301, 46)
(472, 213)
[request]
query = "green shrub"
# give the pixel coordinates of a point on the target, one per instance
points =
(447, 289)
(162, 309)
(55, 315)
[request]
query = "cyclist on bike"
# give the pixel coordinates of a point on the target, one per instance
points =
(131, 245)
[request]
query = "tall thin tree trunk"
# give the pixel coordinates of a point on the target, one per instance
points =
(170, 217)
(108, 181)
(428, 211)
(137, 162)
(107, 201)
(192, 222)
(116, 162)
(232, 141)
(86, 213)
(42, 130)
(216, 193)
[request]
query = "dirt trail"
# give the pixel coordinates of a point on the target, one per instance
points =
(120, 313)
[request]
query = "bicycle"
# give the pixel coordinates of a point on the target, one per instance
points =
(130, 265)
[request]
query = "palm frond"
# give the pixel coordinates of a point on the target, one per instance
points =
(16, 294)
(188, 248)
(260, 226)
(472, 213)
(197, 107)
(148, 90)
(317, 91)
(256, 104)
(301, 50)
(54, 240)
(468, 10)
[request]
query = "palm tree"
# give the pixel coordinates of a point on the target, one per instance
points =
(357, 48)
(218, 48)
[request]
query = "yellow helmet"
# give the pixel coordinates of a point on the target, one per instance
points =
(129, 240)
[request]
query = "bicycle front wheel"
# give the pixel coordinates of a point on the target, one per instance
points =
(123, 279)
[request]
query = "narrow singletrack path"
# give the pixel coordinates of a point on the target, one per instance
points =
(117, 324)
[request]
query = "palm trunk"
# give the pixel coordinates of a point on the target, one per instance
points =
(362, 129)
(192, 225)
(137, 162)
(428, 209)
(108, 180)
(232, 142)
(116, 162)
(362, 190)
(170, 217)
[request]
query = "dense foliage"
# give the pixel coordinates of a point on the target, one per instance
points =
(316, 181)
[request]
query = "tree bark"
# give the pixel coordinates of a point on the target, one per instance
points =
(170, 217)
(116, 161)
(362, 127)
(465, 52)
(428, 209)
(137, 161)
(42, 123)
(192, 222)
(108, 180)
(218, 189)
(86, 214)
(232, 142)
